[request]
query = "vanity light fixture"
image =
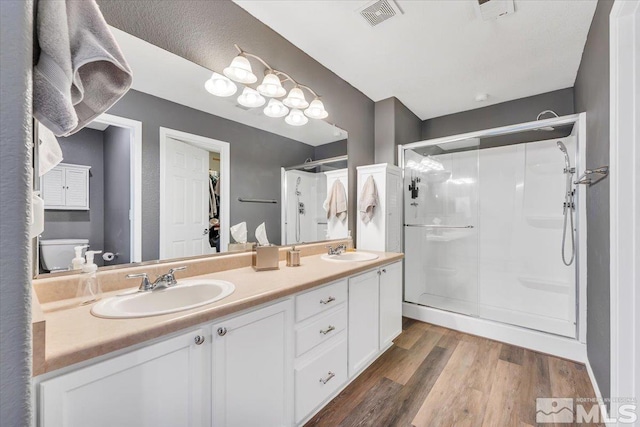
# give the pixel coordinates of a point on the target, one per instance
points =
(272, 87)
(296, 118)
(276, 109)
(250, 98)
(240, 70)
(220, 85)
(295, 99)
(316, 110)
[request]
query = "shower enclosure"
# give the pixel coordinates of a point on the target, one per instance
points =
(485, 215)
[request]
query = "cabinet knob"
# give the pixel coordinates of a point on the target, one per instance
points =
(222, 331)
(199, 339)
(384, 270)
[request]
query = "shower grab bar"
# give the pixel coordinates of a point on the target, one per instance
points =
(242, 199)
(438, 226)
(585, 178)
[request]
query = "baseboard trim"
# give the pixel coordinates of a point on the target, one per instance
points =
(554, 345)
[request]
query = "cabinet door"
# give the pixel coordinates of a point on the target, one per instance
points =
(165, 384)
(53, 188)
(394, 213)
(253, 369)
(363, 320)
(77, 188)
(390, 303)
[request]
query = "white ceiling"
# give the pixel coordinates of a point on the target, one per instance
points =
(439, 55)
(163, 74)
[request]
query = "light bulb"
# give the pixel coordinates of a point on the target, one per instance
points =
(296, 118)
(316, 110)
(271, 86)
(250, 98)
(240, 71)
(275, 108)
(296, 99)
(219, 85)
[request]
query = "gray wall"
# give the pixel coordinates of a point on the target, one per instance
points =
(204, 32)
(82, 148)
(256, 158)
(395, 125)
(117, 194)
(592, 96)
(503, 114)
(16, 28)
(333, 149)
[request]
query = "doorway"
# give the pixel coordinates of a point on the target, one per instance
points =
(194, 195)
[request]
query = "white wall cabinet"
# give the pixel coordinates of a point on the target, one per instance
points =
(66, 187)
(259, 368)
(384, 231)
(164, 385)
(252, 368)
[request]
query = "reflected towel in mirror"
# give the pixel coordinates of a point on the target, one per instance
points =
(336, 203)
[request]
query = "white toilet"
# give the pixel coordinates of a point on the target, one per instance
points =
(56, 254)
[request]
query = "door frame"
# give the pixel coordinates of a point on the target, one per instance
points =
(210, 145)
(624, 157)
(135, 203)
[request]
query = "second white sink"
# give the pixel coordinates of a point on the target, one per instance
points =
(351, 256)
(187, 294)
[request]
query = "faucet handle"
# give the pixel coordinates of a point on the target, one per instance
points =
(173, 270)
(145, 285)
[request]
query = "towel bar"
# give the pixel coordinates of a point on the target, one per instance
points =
(243, 200)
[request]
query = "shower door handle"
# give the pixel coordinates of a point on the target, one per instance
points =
(438, 226)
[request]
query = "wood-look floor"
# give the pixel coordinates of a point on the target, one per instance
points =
(434, 376)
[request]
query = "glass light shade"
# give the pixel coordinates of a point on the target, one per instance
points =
(250, 98)
(219, 85)
(295, 99)
(316, 110)
(275, 108)
(296, 118)
(240, 71)
(271, 87)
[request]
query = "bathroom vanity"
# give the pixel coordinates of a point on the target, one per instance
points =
(273, 353)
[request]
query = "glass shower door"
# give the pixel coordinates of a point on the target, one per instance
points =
(441, 234)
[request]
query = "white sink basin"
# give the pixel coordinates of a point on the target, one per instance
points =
(187, 294)
(351, 256)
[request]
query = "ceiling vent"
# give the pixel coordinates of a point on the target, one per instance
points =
(494, 9)
(377, 12)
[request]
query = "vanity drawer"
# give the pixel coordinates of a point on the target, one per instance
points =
(318, 300)
(320, 378)
(320, 330)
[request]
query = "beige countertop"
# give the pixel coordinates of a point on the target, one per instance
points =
(74, 335)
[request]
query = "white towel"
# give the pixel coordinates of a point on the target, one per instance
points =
(49, 151)
(336, 203)
(81, 71)
(368, 200)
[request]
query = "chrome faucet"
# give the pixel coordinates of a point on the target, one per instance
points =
(337, 250)
(163, 281)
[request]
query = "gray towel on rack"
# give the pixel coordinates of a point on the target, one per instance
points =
(81, 71)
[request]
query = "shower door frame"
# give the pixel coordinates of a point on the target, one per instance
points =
(541, 341)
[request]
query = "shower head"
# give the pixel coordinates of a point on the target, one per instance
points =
(297, 185)
(546, 128)
(567, 162)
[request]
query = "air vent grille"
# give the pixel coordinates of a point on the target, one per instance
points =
(378, 12)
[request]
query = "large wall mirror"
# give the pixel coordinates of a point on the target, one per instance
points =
(170, 169)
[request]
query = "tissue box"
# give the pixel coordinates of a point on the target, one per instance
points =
(266, 258)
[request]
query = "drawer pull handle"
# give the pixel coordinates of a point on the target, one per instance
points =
(327, 301)
(329, 329)
(199, 339)
(329, 376)
(222, 331)
(384, 270)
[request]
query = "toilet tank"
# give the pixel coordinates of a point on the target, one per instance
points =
(56, 254)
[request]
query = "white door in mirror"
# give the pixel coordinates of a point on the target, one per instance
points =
(187, 294)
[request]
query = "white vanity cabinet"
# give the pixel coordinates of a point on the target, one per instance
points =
(252, 368)
(363, 320)
(390, 303)
(66, 187)
(163, 385)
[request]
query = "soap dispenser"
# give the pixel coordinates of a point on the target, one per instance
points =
(78, 261)
(89, 289)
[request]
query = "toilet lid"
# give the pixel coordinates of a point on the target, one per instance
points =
(64, 242)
